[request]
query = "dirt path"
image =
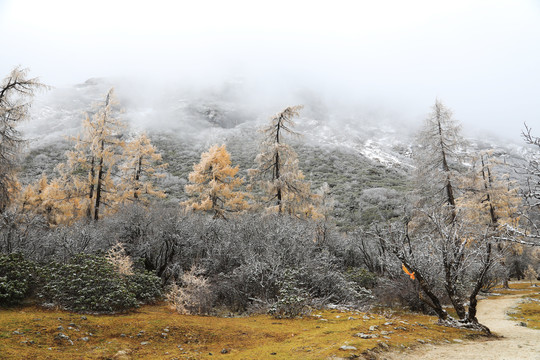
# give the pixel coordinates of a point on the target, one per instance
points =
(518, 343)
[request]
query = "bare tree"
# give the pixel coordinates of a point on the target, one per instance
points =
(447, 260)
(532, 193)
(16, 91)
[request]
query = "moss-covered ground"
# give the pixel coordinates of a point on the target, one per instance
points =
(156, 332)
(528, 311)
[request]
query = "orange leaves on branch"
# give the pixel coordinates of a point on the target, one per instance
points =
(411, 274)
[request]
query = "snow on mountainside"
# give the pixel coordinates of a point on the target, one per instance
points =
(215, 115)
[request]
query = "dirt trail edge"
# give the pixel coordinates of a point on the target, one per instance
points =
(518, 342)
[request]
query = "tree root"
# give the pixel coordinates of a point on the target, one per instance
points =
(465, 324)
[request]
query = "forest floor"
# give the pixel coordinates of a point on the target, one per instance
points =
(514, 318)
(156, 332)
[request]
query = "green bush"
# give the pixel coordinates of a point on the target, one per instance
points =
(91, 284)
(17, 278)
(146, 286)
(362, 278)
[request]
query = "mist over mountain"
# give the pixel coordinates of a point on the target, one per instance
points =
(353, 147)
(210, 114)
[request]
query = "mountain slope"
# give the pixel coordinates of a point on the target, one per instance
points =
(351, 152)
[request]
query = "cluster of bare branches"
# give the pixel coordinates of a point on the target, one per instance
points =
(449, 260)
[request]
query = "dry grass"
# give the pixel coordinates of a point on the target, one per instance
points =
(29, 333)
(515, 288)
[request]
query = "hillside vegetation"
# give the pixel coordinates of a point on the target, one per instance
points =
(216, 217)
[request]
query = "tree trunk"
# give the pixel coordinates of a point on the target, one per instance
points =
(473, 302)
(137, 178)
(91, 190)
(99, 184)
(435, 304)
(450, 199)
(487, 185)
(450, 283)
(456, 301)
(279, 194)
(277, 167)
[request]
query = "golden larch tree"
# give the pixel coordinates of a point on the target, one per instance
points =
(213, 183)
(88, 174)
(141, 166)
(31, 197)
(46, 199)
(491, 202)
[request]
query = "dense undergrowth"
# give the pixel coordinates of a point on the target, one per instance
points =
(86, 283)
(249, 264)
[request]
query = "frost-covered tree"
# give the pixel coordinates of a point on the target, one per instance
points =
(446, 240)
(531, 274)
(277, 172)
(532, 192)
(213, 184)
(16, 92)
(438, 158)
(529, 231)
(141, 166)
(449, 260)
(325, 207)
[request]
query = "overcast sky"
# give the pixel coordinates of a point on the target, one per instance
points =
(482, 58)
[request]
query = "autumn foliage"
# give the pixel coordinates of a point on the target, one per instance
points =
(88, 184)
(141, 165)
